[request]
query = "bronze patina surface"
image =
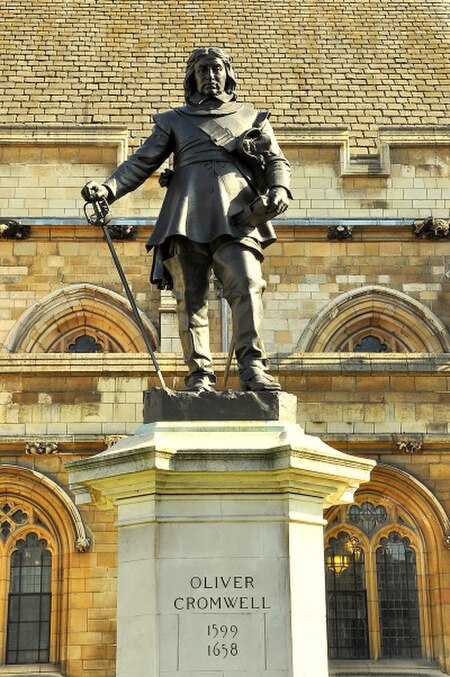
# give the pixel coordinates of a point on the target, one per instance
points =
(229, 178)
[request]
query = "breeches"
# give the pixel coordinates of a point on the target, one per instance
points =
(238, 269)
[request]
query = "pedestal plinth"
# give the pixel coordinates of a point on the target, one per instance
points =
(220, 562)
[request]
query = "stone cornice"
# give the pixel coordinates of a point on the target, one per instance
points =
(437, 364)
(288, 229)
(55, 134)
(388, 444)
(373, 444)
(67, 445)
(207, 457)
(377, 164)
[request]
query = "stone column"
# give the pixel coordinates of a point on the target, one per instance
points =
(220, 556)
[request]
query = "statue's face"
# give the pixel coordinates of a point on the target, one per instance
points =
(210, 76)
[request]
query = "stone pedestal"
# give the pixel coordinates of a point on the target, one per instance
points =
(220, 562)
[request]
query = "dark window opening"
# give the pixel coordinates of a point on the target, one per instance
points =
(85, 344)
(346, 599)
(371, 344)
(398, 598)
(29, 603)
(367, 516)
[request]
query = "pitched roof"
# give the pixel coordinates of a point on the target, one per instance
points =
(362, 63)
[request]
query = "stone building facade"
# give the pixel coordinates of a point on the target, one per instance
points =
(357, 306)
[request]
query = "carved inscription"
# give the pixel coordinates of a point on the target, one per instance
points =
(221, 593)
(222, 647)
(226, 620)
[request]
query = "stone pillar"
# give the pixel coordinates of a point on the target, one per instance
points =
(220, 556)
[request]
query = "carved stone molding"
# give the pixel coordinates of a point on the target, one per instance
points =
(432, 228)
(41, 447)
(13, 230)
(410, 446)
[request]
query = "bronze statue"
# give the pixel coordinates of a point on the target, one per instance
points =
(229, 178)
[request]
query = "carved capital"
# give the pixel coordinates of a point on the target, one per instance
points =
(410, 446)
(339, 232)
(41, 447)
(432, 228)
(13, 230)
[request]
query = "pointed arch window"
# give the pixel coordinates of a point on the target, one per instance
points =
(41, 532)
(29, 602)
(398, 599)
(372, 584)
(346, 598)
(375, 319)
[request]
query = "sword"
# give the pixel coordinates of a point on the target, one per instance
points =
(101, 215)
(228, 364)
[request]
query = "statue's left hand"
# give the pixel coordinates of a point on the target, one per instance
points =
(278, 199)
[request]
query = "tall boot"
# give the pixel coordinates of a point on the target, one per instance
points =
(243, 286)
(190, 275)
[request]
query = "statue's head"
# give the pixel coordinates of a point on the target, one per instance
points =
(201, 55)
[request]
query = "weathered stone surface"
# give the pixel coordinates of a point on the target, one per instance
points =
(171, 405)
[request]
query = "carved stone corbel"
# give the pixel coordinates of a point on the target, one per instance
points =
(109, 440)
(83, 544)
(410, 446)
(41, 447)
(339, 232)
(13, 230)
(121, 232)
(432, 228)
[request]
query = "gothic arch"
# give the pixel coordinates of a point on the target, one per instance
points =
(31, 503)
(424, 511)
(58, 320)
(418, 515)
(21, 485)
(390, 316)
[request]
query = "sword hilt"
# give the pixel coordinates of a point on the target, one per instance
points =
(100, 215)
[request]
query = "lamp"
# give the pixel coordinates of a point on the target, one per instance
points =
(337, 563)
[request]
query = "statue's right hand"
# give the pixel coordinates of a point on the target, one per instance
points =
(94, 191)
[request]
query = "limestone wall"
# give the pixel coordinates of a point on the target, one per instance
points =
(305, 271)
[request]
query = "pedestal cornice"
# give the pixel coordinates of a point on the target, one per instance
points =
(207, 457)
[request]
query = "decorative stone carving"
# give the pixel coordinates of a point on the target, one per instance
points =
(83, 544)
(121, 231)
(109, 440)
(432, 228)
(41, 447)
(339, 232)
(447, 541)
(13, 230)
(410, 446)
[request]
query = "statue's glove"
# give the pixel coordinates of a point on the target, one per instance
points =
(94, 191)
(278, 198)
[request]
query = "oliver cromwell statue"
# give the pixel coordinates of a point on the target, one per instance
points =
(229, 178)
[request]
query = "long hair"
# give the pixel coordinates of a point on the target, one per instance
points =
(189, 84)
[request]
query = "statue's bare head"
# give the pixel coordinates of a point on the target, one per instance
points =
(218, 62)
